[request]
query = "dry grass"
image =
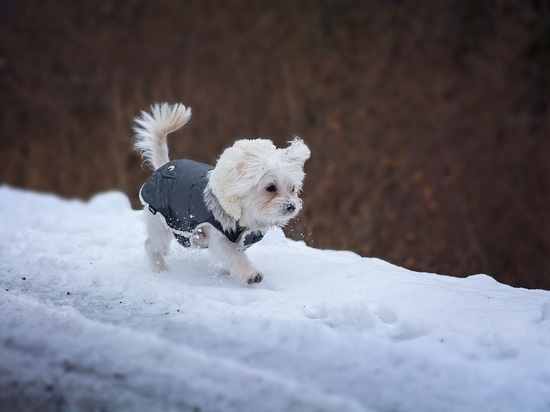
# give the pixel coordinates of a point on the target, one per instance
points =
(428, 121)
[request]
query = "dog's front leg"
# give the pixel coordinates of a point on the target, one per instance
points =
(227, 253)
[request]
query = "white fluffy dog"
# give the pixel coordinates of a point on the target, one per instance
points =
(225, 208)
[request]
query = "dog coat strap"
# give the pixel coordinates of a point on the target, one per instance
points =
(247, 238)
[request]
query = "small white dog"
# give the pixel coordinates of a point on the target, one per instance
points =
(225, 208)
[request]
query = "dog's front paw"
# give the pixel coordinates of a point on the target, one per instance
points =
(199, 238)
(254, 278)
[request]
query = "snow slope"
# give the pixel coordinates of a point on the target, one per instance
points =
(84, 325)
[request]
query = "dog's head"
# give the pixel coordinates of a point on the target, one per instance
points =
(258, 184)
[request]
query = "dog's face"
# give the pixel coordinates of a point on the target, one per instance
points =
(273, 199)
(258, 184)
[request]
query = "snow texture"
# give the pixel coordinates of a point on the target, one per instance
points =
(85, 325)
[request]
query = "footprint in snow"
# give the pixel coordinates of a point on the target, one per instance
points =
(359, 317)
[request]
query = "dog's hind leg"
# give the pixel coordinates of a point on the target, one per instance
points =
(157, 244)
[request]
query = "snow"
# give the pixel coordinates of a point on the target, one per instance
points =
(85, 325)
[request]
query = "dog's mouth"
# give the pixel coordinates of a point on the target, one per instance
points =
(280, 220)
(273, 214)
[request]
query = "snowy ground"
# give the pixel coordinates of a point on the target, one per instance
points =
(84, 325)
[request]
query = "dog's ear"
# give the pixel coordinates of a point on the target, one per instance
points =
(297, 151)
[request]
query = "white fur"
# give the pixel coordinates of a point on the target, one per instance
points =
(152, 129)
(253, 184)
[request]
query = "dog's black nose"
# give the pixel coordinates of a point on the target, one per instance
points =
(290, 207)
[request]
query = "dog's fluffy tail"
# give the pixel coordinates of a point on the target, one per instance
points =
(151, 130)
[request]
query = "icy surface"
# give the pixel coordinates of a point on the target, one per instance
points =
(85, 325)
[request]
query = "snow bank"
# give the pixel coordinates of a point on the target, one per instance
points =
(85, 325)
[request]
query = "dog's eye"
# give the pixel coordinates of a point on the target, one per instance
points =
(271, 188)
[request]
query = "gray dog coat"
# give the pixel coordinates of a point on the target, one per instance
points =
(176, 191)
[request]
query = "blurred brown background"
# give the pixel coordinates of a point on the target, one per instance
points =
(428, 121)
